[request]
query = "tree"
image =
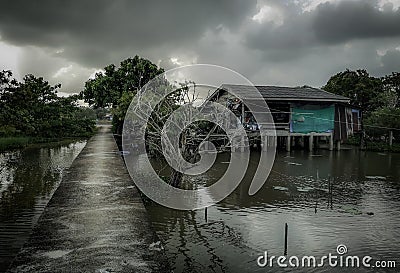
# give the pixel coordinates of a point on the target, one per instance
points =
(384, 121)
(392, 87)
(25, 104)
(32, 108)
(101, 113)
(7, 84)
(173, 127)
(363, 90)
(115, 86)
(104, 90)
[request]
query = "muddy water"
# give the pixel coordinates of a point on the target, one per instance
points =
(362, 213)
(28, 178)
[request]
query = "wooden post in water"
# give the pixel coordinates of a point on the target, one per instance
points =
(316, 193)
(286, 239)
(205, 215)
(390, 138)
(330, 192)
(316, 205)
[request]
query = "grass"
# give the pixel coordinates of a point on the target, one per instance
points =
(376, 146)
(9, 143)
(382, 147)
(19, 142)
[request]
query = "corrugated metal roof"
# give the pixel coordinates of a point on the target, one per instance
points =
(304, 93)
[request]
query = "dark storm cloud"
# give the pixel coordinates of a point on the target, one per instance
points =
(348, 20)
(66, 41)
(292, 32)
(92, 32)
(390, 61)
(329, 24)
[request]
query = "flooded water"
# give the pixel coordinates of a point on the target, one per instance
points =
(363, 213)
(28, 179)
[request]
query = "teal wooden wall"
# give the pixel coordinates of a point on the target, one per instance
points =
(312, 118)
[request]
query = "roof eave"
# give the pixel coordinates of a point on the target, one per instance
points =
(304, 99)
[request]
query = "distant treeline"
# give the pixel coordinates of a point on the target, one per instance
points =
(31, 108)
(379, 99)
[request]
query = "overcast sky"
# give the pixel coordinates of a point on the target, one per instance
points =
(271, 42)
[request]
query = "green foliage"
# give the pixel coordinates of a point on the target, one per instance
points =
(354, 140)
(383, 120)
(101, 113)
(120, 110)
(86, 113)
(32, 108)
(117, 86)
(363, 90)
(392, 87)
(7, 130)
(381, 146)
(379, 98)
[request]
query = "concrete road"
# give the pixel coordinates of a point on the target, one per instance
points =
(95, 221)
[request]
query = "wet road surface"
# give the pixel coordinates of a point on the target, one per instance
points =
(95, 221)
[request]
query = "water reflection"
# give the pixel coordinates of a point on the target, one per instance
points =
(27, 180)
(362, 212)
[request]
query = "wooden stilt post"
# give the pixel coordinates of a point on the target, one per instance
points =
(338, 145)
(331, 142)
(288, 143)
(311, 142)
(317, 142)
